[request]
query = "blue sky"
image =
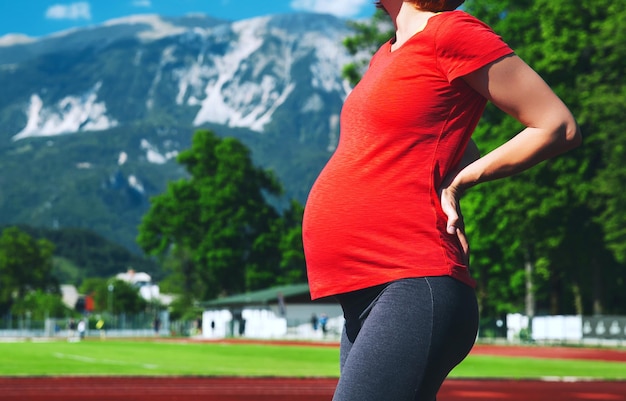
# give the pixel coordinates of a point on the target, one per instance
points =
(42, 17)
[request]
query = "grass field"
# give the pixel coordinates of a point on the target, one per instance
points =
(481, 366)
(169, 358)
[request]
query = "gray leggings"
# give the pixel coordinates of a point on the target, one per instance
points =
(401, 339)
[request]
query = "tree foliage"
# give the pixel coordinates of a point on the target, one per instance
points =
(81, 253)
(292, 268)
(113, 296)
(565, 217)
(39, 305)
(368, 36)
(25, 266)
(216, 230)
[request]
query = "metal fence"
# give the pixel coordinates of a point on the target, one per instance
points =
(122, 325)
(570, 328)
(604, 327)
(576, 329)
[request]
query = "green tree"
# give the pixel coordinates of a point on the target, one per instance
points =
(217, 224)
(81, 253)
(564, 216)
(367, 38)
(41, 305)
(113, 296)
(602, 94)
(292, 263)
(25, 266)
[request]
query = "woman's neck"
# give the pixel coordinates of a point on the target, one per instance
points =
(408, 21)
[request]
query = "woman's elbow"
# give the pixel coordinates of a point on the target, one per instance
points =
(572, 135)
(568, 134)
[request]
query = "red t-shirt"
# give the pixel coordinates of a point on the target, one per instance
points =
(374, 215)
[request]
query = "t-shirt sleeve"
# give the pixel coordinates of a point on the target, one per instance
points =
(464, 44)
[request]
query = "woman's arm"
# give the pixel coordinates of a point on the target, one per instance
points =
(518, 90)
(453, 210)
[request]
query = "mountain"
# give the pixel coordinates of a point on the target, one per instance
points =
(91, 120)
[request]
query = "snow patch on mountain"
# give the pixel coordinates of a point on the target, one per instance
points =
(154, 156)
(122, 158)
(166, 58)
(224, 107)
(159, 28)
(313, 104)
(15, 39)
(71, 114)
(236, 74)
(330, 60)
(247, 84)
(134, 183)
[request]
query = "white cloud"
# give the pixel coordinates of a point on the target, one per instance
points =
(142, 3)
(81, 10)
(340, 8)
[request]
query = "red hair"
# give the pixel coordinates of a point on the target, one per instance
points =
(434, 5)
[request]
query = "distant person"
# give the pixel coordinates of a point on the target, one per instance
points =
(382, 230)
(82, 328)
(156, 325)
(199, 325)
(100, 327)
(282, 306)
(71, 328)
(314, 322)
(324, 323)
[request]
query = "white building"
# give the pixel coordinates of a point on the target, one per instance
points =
(69, 295)
(278, 312)
(147, 290)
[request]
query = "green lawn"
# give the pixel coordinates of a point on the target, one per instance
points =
(145, 358)
(529, 368)
(113, 357)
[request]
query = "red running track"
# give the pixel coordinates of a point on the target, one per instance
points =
(266, 389)
(596, 354)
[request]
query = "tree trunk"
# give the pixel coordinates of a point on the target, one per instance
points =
(529, 268)
(555, 294)
(578, 299)
(598, 304)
